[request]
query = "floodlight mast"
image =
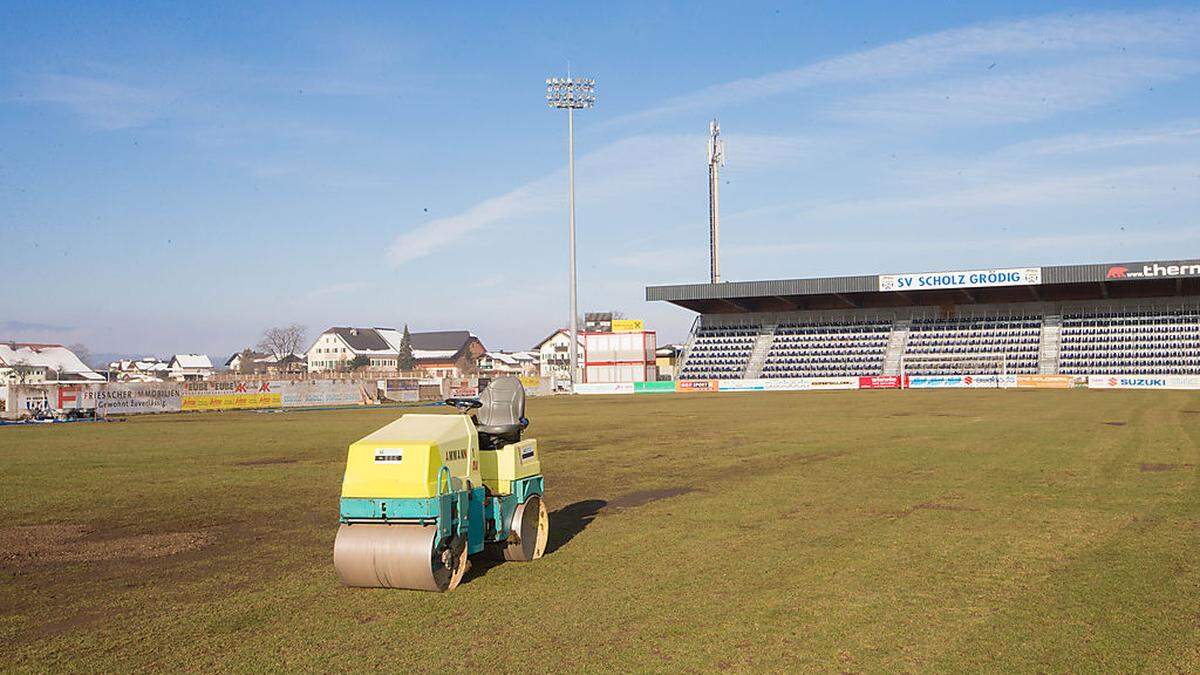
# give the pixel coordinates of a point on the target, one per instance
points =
(716, 159)
(571, 93)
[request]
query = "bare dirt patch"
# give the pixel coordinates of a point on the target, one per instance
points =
(74, 543)
(1152, 467)
(265, 461)
(643, 497)
(1190, 412)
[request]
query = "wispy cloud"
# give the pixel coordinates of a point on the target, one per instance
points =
(1021, 97)
(630, 167)
(1182, 132)
(336, 289)
(101, 102)
(949, 52)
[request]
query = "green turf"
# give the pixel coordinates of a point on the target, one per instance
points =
(849, 531)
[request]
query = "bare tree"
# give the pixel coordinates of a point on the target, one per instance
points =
(246, 362)
(80, 350)
(281, 341)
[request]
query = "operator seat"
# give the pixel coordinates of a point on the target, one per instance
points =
(501, 417)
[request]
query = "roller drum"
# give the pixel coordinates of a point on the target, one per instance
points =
(530, 528)
(397, 556)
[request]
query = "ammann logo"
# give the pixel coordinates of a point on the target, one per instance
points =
(455, 455)
(1152, 270)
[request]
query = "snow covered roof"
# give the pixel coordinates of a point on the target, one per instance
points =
(507, 359)
(50, 356)
(191, 361)
(434, 353)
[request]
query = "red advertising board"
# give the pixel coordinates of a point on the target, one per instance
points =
(879, 382)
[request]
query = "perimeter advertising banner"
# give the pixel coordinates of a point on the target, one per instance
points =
(695, 385)
(924, 281)
(137, 398)
(1045, 381)
(604, 388)
(879, 382)
(1143, 382)
(961, 381)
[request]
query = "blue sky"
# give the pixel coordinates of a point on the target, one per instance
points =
(177, 177)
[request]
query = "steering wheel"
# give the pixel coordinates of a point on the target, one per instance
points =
(464, 403)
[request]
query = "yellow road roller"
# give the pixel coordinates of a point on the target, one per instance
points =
(426, 491)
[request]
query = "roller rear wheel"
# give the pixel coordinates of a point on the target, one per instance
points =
(529, 531)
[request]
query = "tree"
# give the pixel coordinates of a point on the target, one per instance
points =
(84, 354)
(246, 361)
(405, 361)
(281, 341)
(359, 361)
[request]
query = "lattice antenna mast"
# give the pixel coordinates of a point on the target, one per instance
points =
(716, 160)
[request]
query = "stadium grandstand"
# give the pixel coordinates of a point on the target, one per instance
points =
(1139, 318)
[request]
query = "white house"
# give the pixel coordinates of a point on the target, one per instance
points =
(190, 367)
(33, 363)
(447, 353)
(554, 355)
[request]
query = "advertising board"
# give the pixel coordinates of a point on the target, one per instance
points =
(1014, 276)
(985, 381)
(1180, 268)
(832, 383)
(137, 398)
(654, 387)
(1044, 381)
(695, 385)
(879, 382)
(1143, 382)
(628, 325)
(604, 388)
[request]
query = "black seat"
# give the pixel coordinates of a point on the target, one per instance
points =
(501, 417)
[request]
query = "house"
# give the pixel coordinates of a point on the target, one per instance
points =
(666, 357)
(447, 353)
(189, 367)
(498, 364)
(245, 358)
(248, 361)
(554, 355)
(35, 363)
(145, 369)
(452, 353)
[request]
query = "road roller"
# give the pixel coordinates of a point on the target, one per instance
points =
(425, 492)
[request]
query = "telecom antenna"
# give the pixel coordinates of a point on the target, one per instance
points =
(716, 160)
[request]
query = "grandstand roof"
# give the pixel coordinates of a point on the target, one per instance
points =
(1158, 278)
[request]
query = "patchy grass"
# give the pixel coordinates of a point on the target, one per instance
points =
(849, 531)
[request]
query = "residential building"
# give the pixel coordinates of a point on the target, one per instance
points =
(453, 353)
(35, 362)
(498, 364)
(189, 367)
(554, 355)
(145, 369)
(251, 362)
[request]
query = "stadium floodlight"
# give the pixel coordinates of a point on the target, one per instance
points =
(571, 93)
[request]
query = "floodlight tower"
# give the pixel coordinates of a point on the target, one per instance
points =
(716, 159)
(571, 93)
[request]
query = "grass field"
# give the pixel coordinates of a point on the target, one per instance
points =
(849, 531)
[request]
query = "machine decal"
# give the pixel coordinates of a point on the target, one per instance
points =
(526, 454)
(389, 455)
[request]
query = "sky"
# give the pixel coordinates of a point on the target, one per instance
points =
(178, 177)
